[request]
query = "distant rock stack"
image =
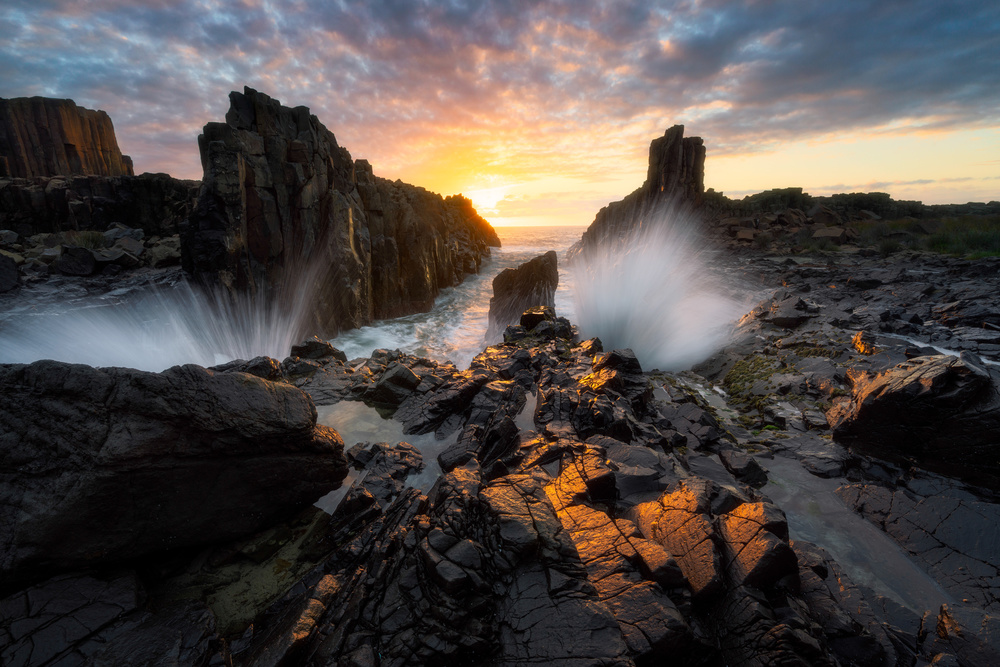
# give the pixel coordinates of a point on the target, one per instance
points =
(40, 136)
(675, 179)
(532, 284)
(283, 207)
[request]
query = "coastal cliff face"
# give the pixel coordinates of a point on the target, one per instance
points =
(675, 178)
(283, 205)
(40, 136)
(155, 203)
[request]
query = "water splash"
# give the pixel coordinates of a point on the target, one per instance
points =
(654, 292)
(158, 328)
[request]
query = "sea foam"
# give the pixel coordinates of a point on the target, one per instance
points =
(653, 291)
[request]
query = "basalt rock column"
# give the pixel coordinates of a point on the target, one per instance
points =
(40, 136)
(531, 284)
(675, 179)
(284, 209)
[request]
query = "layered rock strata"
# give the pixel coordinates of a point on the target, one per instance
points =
(282, 205)
(40, 136)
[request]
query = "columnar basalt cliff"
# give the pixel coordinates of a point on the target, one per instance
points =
(675, 178)
(280, 197)
(155, 203)
(40, 136)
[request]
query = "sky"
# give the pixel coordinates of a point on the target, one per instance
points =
(542, 112)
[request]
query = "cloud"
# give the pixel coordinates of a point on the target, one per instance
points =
(518, 85)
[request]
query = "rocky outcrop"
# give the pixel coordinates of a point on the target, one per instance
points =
(675, 181)
(283, 204)
(100, 465)
(82, 619)
(155, 203)
(532, 284)
(937, 408)
(40, 136)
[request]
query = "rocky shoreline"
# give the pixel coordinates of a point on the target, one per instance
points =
(590, 512)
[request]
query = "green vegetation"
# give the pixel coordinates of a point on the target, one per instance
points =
(970, 236)
(746, 372)
(86, 239)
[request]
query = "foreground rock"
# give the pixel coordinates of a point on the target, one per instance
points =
(516, 290)
(283, 204)
(40, 136)
(942, 409)
(101, 465)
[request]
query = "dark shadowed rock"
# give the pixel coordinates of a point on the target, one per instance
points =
(532, 284)
(76, 261)
(153, 203)
(937, 408)
(78, 619)
(9, 278)
(315, 348)
(104, 464)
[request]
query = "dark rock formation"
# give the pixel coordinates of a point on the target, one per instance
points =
(9, 278)
(675, 181)
(938, 408)
(155, 203)
(283, 204)
(532, 284)
(101, 465)
(80, 619)
(40, 136)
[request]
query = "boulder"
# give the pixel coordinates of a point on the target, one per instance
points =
(933, 408)
(100, 465)
(516, 290)
(837, 235)
(824, 215)
(166, 252)
(316, 348)
(76, 261)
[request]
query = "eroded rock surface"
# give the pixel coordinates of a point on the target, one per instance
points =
(940, 408)
(100, 465)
